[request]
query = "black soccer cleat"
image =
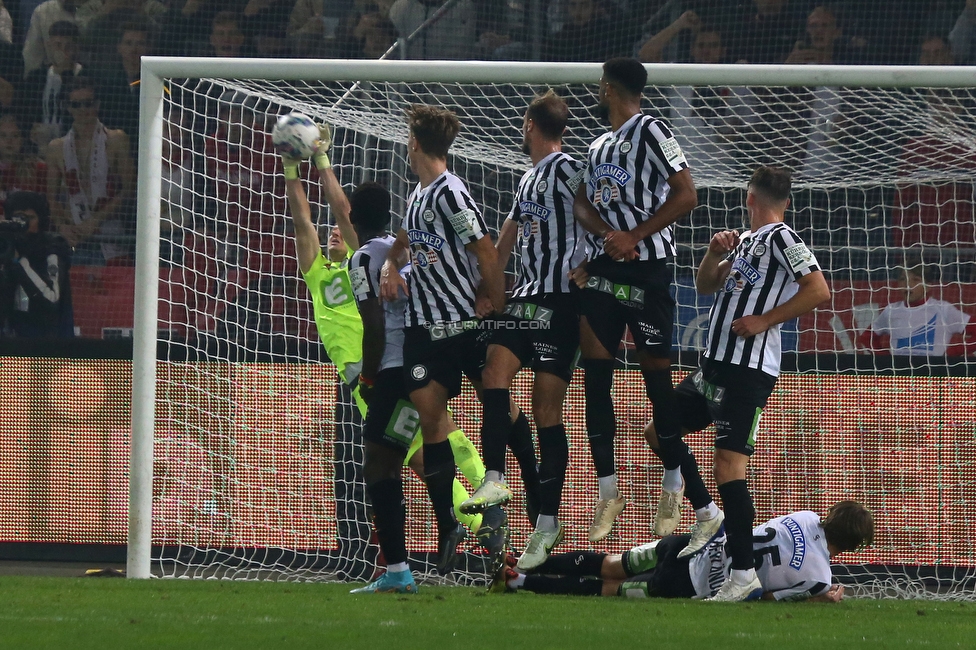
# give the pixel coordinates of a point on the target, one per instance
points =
(447, 553)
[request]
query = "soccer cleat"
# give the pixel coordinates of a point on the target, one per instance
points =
(668, 514)
(390, 583)
(493, 533)
(447, 555)
(500, 578)
(606, 511)
(702, 533)
(541, 543)
(488, 494)
(731, 592)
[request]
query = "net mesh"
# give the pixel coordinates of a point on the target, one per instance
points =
(257, 470)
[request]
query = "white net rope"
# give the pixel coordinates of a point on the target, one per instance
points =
(256, 457)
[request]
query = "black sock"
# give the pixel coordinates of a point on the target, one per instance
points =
(600, 423)
(580, 563)
(566, 585)
(695, 489)
(495, 428)
(739, 518)
(667, 421)
(389, 510)
(520, 442)
(553, 458)
(439, 473)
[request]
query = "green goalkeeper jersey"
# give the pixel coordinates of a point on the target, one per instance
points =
(336, 315)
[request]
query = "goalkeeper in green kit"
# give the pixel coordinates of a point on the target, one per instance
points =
(341, 329)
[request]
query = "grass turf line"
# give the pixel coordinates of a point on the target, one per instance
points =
(209, 614)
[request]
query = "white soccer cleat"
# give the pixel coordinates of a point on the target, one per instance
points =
(537, 551)
(668, 514)
(702, 533)
(606, 512)
(488, 494)
(731, 592)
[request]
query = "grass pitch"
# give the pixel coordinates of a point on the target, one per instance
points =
(78, 613)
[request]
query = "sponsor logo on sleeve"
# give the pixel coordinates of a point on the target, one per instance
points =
(360, 284)
(465, 224)
(574, 182)
(672, 152)
(799, 257)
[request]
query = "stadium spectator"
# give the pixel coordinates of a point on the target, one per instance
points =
(637, 185)
(920, 325)
(37, 45)
(90, 180)
(767, 33)
(655, 571)
(935, 50)
(963, 35)
(118, 81)
(824, 43)
(652, 51)
(227, 37)
(6, 25)
(187, 25)
(100, 37)
(314, 25)
(11, 74)
(760, 280)
(374, 34)
(454, 36)
(35, 293)
(20, 171)
(590, 34)
(266, 26)
(42, 99)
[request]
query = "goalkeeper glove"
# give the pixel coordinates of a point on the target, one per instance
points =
(321, 155)
(291, 167)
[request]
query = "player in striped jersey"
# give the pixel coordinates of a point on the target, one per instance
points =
(337, 308)
(637, 185)
(540, 327)
(792, 554)
(760, 279)
(452, 259)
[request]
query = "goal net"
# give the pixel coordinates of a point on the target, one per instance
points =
(247, 450)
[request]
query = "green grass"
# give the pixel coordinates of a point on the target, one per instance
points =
(108, 613)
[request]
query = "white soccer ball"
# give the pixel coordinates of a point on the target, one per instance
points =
(295, 136)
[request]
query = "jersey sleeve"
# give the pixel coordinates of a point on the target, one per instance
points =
(955, 319)
(571, 173)
(790, 251)
(513, 214)
(364, 276)
(462, 215)
(663, 150)
(801, 590)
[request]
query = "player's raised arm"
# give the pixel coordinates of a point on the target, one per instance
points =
(306, 237)
(391, 282)
(337, 199)
(714, 267)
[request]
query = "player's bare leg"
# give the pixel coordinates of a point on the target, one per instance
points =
(600, 429)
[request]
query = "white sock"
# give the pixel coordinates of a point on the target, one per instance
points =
(672, 480)
(743, 576)
(494, 475)
(608, 487)
(547, 523)
(399, 567)
(708, 512)
(517, 582)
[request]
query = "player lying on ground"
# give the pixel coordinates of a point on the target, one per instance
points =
(792, 555)
(337, 316)
(541, 320)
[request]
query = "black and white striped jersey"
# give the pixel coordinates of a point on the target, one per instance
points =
(548, 236)
(441, 220)
(364, 276)
(765, 267)
(627, 178)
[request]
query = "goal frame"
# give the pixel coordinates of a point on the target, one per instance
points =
(156, 69)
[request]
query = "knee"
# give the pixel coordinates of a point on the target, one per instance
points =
(547, 415)
(729, 466)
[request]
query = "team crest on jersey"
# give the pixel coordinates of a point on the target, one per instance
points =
(418, 372)
(529, 227)
(429, 216)
(742, 273)
(759, 250)
(606, 182)
(625, 147)
(542, 186)
(423, 259)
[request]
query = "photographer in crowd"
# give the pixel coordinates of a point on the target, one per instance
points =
(35, 296)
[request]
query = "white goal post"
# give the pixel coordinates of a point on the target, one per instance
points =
(158, 71)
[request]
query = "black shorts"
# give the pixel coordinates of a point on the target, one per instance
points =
(636, 295)
(443, 355)
(669, 579)
(542, 331)
(731, 397)
(392, 420)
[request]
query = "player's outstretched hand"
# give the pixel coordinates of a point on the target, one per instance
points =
(620, 245)
(321, 155)
(392, 283)
(579, 276)
(723, 242)
(290, 167)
